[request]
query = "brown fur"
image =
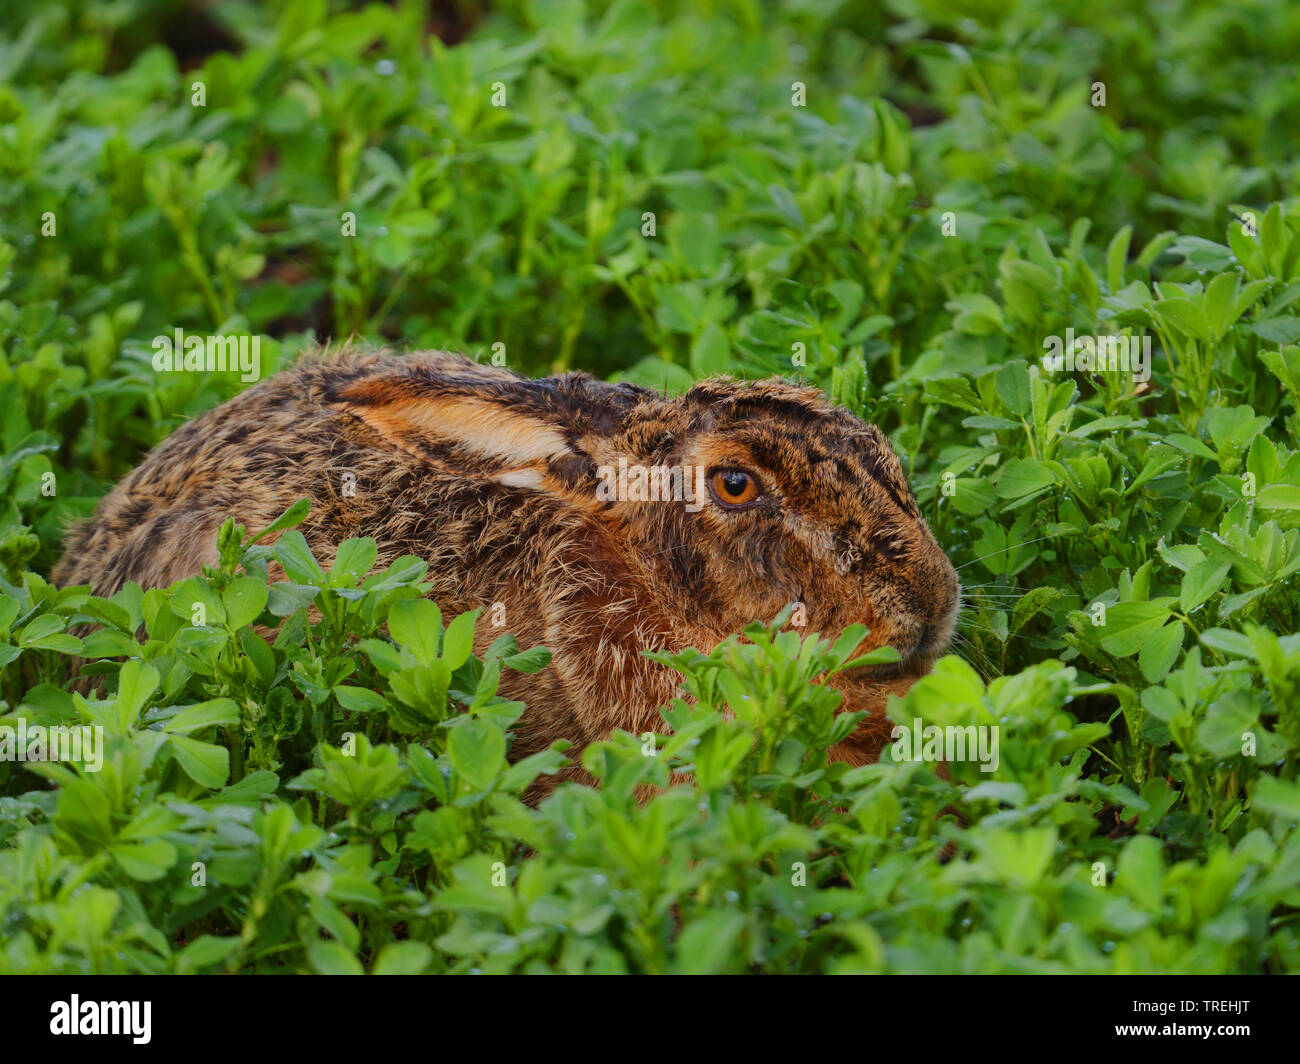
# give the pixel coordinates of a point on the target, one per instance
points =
(492, 479)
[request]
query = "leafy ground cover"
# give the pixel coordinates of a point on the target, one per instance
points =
(898, 203)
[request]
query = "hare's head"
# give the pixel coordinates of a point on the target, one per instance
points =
(737, 498)
(800, 502)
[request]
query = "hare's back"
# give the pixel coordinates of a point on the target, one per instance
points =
(298, 435)
(249, 458)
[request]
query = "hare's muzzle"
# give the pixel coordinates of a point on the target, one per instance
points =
(939, 620)
(921, 625)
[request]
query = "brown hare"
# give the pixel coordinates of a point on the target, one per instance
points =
(539, 494)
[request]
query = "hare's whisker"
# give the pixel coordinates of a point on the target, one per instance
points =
(1009, 548)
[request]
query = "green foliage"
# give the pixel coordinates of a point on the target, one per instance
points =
(312, 774)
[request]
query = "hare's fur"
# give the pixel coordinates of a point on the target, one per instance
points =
(492, 479)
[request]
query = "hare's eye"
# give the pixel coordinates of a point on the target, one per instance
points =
(733, 487)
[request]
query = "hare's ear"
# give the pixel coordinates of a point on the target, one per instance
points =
(486, 423)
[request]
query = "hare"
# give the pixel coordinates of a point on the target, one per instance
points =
(541, 495)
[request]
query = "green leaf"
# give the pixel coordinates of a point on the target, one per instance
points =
(952, 391)
(136, 683)
(785, 203)
(284, 599)
(64, 644)
(1012, 384)
(361, 699)
(1279, 798)
(1031, 604)
(356, 557)
(331, 958)
(975, 314)
(1130, 624)
(1020, 858)
(1116, 256)
(1225, 720)
(109, 612)
(295, 515)
(523, 772)
(393, 250)
(145, 861)
(205, 764)
(1232, 603)
(1279, 497)
(1220, 301)
(296, 558)
(1160, 651)
(1203, 580)
(416, 626)
(848, 641)
(105, 643)
(206, 951)
(403, 958)
(534, 659)
(196, 602)
(405, 571)
(1183, 316)
(1140, 872)
(39, 629)
(708, 944)
(1285, 366)
(711, 352)
(1191, 445)
(879, 656)
(1182, 556)
(217, 713)
(477, 749)
(1228, 642)
(245, 598)
(458, 642)
(1024, 476)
